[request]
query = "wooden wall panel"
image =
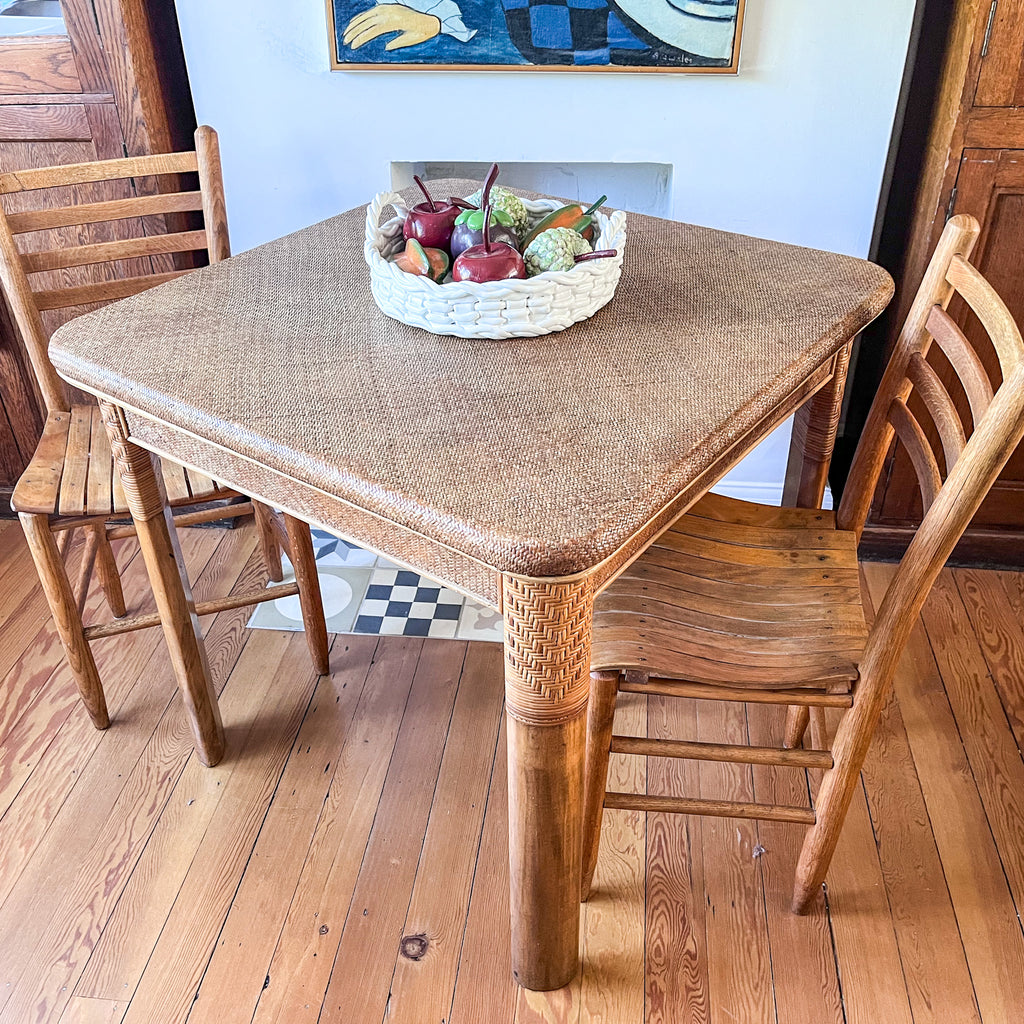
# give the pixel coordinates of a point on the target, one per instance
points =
(38, 64)
(1001, 80)
(98, 93)
(50, 121)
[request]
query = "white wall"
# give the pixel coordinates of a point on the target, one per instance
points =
(792, 148)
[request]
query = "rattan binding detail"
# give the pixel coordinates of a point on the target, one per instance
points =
(547, 649)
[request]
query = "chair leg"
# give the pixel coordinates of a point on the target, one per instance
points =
(63, 541)
(838, 785)
(108, 575)
(303, 560)
(81, 587)
(59, 595)
(604, 687)
(819, 729)
(797, 717)
(270, 546)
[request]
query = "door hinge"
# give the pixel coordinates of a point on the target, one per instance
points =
(988, 27)
(951, 203)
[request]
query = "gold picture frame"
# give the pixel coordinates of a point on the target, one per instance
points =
(647, 36)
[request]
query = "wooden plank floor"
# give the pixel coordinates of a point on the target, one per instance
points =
(346, 862)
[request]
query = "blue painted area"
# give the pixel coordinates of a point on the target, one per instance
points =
(490, 45)
(536, 32)
(549, 25)
(620, 37)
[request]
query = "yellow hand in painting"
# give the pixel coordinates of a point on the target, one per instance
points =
(412, 26)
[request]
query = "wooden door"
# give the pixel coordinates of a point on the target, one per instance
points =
(56, 106)
(96, 92)
(1001, 78)
(990, 186)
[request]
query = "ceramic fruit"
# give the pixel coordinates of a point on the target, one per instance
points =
(469, 230)
(469, 226)
(423, 261)
(430, 223)
(572, 216)
(554, 249)
(488, 261)
(504, 201)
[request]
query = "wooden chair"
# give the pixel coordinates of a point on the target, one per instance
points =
(70, 483)
(742, 602)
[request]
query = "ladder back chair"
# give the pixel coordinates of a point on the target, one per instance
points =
(70, 483)
(748, 603)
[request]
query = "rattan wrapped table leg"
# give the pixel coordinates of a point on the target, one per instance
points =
(815, 426)
(547, 676)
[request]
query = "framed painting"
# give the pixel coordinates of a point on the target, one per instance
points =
(538, 35)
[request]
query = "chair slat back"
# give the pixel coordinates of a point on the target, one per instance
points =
(910, 432)
(889, 411)
(60, 277)
(929, 387)
(990, 310)
(97, 170)
(963, 358)
(111, 209)
(972, 459)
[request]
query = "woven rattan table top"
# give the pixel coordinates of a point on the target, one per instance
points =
(537, 456)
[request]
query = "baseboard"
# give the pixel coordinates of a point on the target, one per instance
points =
(980, 549)
(762, 493)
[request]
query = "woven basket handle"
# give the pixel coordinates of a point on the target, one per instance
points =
(374, 236)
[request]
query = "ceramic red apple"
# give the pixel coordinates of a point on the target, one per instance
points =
(488, 261)
(430, 223)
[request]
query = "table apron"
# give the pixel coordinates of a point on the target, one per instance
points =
(457, 570)
(431, 558)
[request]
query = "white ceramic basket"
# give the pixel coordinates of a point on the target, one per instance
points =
(497, 309)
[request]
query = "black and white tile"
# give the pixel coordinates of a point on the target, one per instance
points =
(366, 593)
(400, 602)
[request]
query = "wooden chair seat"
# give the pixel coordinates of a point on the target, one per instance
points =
(746, 603)
(738, 594)
(72, 472)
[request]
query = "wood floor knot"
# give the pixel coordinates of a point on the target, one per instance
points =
(414, 947)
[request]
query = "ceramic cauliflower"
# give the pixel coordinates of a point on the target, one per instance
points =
(555, 249)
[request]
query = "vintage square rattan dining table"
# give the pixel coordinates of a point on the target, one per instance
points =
(526, 472)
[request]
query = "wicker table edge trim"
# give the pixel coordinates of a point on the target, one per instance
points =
(599, 575)
(308, 502)
(539, 558)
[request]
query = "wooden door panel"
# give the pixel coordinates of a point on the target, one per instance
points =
(1001, 79)
(51, 121)
(990, 186)
(21, 421)
(991, 182)
(10, 454)
(21, 398)
(34, 65)
(80, 21)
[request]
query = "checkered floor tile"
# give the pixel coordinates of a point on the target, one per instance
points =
(401, 603)
(367, 593)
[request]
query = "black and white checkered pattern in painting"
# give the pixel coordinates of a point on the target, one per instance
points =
(402, 603)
